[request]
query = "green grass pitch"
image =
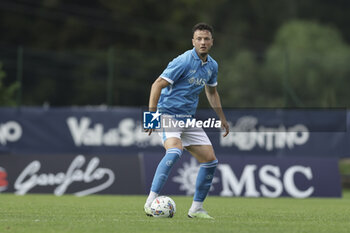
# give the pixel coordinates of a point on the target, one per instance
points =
(104, 213)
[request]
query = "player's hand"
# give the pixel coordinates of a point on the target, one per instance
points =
(149, 131)
(226, 127)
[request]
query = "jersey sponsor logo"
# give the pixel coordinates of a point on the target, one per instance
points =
(10, 131)
(197, 81)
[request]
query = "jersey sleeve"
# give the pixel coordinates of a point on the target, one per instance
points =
(174, 70)
(213, 81)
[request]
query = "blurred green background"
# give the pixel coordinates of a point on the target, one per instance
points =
(277, 53)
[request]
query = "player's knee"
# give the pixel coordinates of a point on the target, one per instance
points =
(173, 143)
(214, 162)
(210, 158)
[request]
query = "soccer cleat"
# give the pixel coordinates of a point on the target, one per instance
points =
(201, 213)
(148, 210)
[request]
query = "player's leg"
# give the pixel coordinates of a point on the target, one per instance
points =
(174, 149)
(208, 163)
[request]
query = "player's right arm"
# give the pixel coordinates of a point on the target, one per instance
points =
(156, 89)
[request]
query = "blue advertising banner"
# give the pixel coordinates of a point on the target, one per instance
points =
(283, 132)
(79, 174)
(254, 177)
(264, 132)
(70, 130)
(268, 153)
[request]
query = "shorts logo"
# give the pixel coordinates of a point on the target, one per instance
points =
(151, 120)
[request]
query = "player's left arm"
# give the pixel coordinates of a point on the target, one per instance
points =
(214, 101)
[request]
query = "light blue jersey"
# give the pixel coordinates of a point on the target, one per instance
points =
(187, 75)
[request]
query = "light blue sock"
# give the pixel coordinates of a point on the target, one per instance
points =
(164, 168)
(204, 180)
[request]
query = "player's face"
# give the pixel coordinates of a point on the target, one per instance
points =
(202, 41)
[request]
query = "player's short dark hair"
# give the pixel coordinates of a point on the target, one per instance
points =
(202, 26)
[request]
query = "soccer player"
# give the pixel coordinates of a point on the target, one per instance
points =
(176, 92)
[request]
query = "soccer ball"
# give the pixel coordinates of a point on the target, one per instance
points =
(163, 207)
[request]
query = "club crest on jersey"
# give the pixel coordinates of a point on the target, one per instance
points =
(196, 81)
